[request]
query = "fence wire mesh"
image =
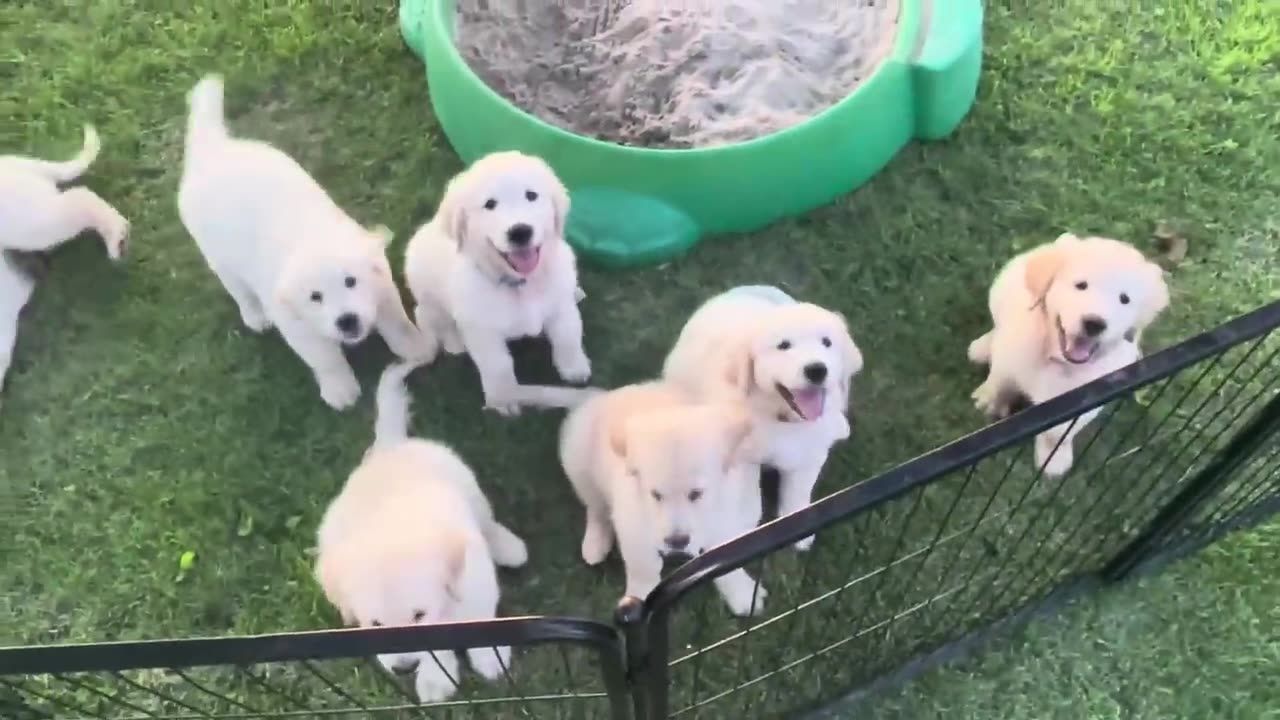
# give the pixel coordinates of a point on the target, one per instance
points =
(959, 552)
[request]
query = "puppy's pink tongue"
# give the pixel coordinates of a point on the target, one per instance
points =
(810, 402)
(523, 261)
(1080, 351)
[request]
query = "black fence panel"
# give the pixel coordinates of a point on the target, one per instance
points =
(950, 543)
(555, 668)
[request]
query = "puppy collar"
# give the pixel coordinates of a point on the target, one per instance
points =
(512, 281)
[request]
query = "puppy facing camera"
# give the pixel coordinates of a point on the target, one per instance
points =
(666, 479)
(1064, 314)
(284, 251)
(492, 266)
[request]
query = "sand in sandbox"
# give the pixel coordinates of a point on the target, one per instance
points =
(675, 73)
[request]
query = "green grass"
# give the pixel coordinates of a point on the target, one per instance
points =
(141, 421)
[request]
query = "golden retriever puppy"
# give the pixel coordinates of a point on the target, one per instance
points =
(791, 362)
(666, 477)
(493, 266)
(1064, 314)
(286, 253)
(16, 286)
(411, 539)
(35, 214)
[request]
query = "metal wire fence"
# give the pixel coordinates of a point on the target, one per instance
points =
(916, 560)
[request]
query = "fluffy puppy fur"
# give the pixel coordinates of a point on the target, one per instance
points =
(791, 362)
(668, 478)
(493, 266)
(411, 539)
(286, 253)
(36, 215)
(1064, 314)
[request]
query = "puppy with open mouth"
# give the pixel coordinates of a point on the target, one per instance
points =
(1064, 314)
(493, 266)
(792, 363)
(286, 253)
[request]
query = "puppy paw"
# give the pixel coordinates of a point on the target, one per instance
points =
(1055, 465)
(805, 544)
(505, 409)
(116, 237)
(431, 684)
(740, 600)
(597, 541)
(491, 663)
(984, 398)
(340, 392)
(418, 346)
(575, 369)
(256, 320)
(507, 548)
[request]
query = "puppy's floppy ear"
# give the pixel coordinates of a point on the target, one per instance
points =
(1155, 297)
(850, 359)
(452, 212)
(617, 432)
(329, 576)
(739, 367)
(560, 205)
(741, 437)
(1043, 265)
(382, 236)
(287, 291)
(455, 562)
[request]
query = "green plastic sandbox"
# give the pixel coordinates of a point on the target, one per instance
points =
(634, 206)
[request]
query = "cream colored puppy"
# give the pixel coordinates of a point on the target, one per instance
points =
(1064, 314)
(35, 214)
(493, 266)
(667, 478)
(791, 362)
(412, 540)
(286, 253)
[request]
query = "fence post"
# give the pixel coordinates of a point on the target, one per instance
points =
(1202, 487)
(645, 636)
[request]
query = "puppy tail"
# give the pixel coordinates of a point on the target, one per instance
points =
(207, 120)
(553, 396)
(63, 171)
(392, 425)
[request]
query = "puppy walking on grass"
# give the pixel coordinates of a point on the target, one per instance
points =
(37, 215)
(286, 253)
(411, 539)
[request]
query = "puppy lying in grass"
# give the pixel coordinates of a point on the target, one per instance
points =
(286, 253)
(666, 477)
(493, 266)
(411, 539)
(37, 215)
(1064, 314)
(792, 363)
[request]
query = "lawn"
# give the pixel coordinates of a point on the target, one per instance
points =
(141, 422)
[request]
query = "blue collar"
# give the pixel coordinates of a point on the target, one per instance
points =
(511, 281)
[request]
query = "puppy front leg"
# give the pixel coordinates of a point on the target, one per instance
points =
(434, 319)
(437, 677)
(338, 385)
(480, 602)
(492, 357)
(795, 492)
(643, 565)
(744, 595)
(1054, 450)
(405, 339)
(564, 332)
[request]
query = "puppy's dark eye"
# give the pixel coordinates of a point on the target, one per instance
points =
(784, 345)
(1124, 298)
(694, 495)
(656, 495)
(490, 204)
(1082, 285)
(375, 623)
(418, 615)
(349, 282)
(317, 296)
(530, 195)
(826, 342)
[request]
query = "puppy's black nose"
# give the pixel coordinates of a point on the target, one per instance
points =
(348, 323)
(405, 669)
(815, 372)
(1093, 325)
(677, 541)
(519, 234)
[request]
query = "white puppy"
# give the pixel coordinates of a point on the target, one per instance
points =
(493, 266)
(286, 253)
(791, 362)
(1064, 314)
(668, 478)
(411, 539)
(36, 215)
